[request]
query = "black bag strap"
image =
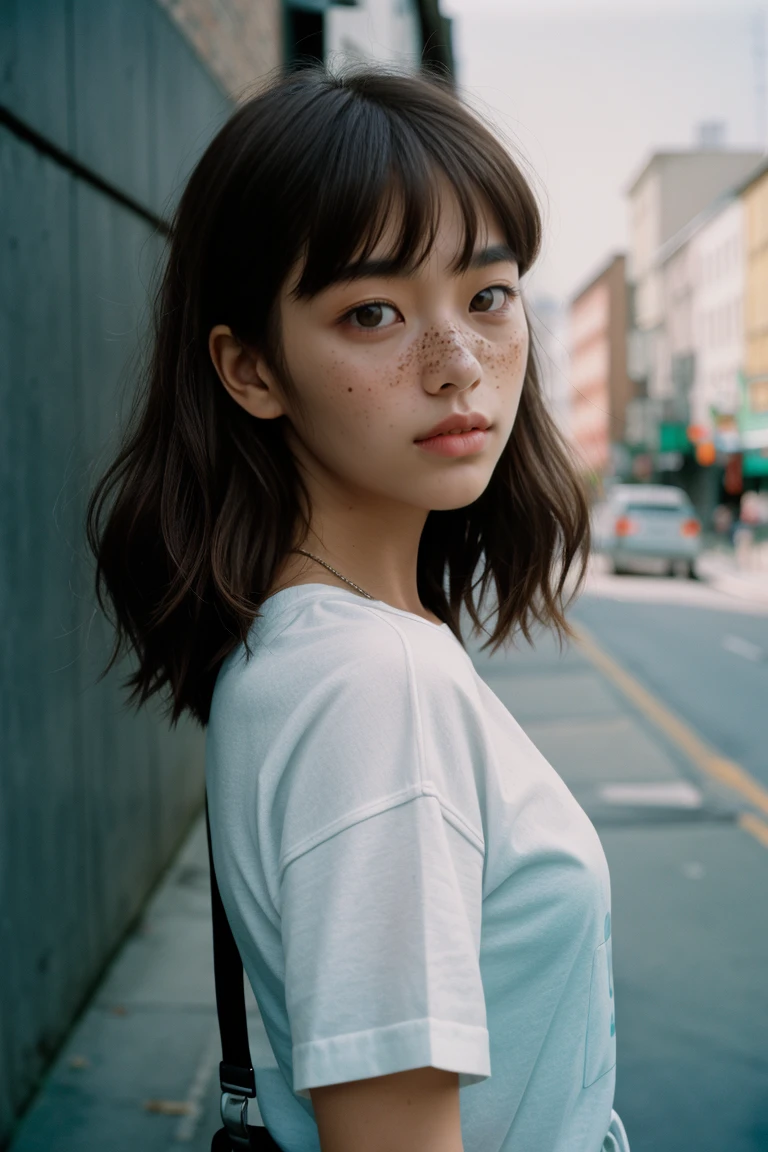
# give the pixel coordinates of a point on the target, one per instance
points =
(236, 1070)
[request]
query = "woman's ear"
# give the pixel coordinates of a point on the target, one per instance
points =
(244, 374)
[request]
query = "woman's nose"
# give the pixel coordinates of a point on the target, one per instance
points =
(451, 363)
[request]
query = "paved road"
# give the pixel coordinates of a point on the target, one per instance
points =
(689, 885)
(710, 666)
(689, 901)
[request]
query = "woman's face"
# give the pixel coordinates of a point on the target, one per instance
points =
(379, 360)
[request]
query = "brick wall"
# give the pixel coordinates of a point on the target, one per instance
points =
(240, 41)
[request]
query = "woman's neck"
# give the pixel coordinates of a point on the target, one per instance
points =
(378, 553)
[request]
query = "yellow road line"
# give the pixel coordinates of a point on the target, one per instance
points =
(754, 825)
(703, 755)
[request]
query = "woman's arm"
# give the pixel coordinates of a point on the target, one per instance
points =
(414, 1111)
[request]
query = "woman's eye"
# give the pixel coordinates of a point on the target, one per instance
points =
(371, 315)
(493, 299)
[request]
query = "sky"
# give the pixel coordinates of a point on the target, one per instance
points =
(585, 92)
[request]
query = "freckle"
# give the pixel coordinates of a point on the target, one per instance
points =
(349, 389)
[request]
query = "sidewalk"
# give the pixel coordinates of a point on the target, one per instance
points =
(140, 1069)
(743, 576)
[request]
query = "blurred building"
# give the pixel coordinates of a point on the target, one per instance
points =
(753, 413)
(239, 41)
(600, 385)
(701, 350)
(548, 320)
(717, 292)
(755, 197)
(408, 33)
(670, 190)
(242, 41)
(374, 30)
(698, 349)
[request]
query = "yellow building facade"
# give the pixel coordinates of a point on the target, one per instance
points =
(756, 277)
(753, 415)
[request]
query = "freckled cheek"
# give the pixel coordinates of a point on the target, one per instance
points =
(333, 384)
(506, 365)
(346, 400)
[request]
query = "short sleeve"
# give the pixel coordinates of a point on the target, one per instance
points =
(381, 937)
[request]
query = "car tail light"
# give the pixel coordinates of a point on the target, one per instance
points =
(625, 526)
(690, 528)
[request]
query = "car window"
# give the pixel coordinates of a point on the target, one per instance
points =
(668, 509)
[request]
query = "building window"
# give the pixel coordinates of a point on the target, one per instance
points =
(305, 40)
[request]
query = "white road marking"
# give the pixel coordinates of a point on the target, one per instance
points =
(186, 1129)
(741, 647)
(676, 794)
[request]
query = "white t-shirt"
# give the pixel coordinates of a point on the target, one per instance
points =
(409, 881)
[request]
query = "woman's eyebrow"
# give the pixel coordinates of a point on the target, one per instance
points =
(371, 269)
(494, 254)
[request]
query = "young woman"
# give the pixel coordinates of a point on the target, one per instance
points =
(341, 456)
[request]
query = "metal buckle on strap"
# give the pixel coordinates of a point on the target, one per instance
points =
(237, 1079)
(234, 1113)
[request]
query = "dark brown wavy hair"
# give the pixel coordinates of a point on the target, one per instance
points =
(193, 519)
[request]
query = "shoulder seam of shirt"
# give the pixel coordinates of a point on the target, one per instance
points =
(422, 791)
(424, 788)
(412, 691)
(450, 812)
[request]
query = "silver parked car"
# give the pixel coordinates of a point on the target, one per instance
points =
(647, 522)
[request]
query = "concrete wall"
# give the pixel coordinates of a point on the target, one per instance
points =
(105, 109)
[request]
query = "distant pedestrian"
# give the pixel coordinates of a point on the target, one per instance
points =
(342, 455)
(722, 520)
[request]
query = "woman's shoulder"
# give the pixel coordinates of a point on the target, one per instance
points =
(346, 707)
(318, 638)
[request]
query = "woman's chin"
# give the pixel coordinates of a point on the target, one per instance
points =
(458, 494)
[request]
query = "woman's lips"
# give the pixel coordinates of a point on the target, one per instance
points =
(456, 443)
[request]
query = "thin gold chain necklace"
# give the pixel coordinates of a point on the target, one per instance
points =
(351, 583)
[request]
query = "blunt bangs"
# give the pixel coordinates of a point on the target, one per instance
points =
(307, 177)
(379, 160)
